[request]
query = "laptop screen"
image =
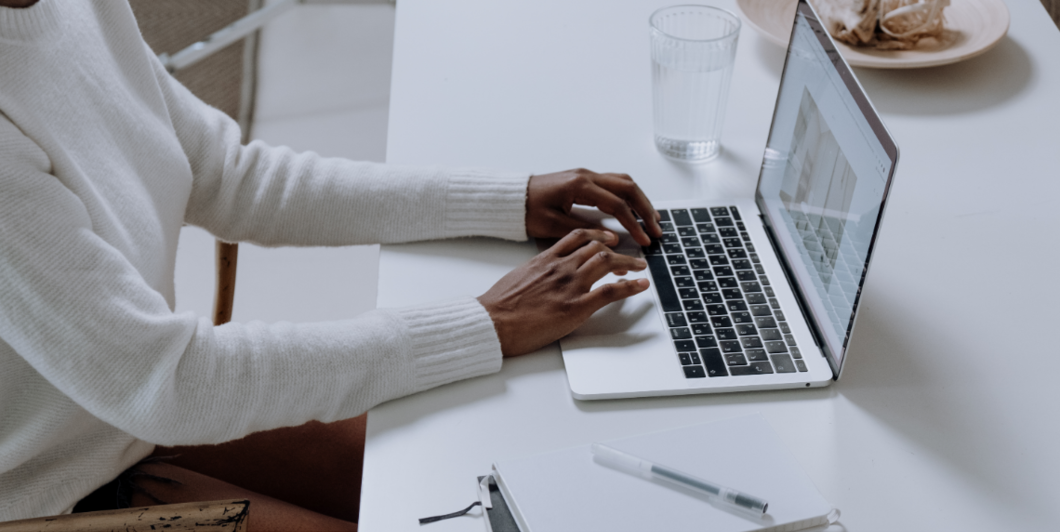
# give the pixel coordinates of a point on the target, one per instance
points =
(824, 178)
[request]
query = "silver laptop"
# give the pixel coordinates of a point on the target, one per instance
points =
(757, 293)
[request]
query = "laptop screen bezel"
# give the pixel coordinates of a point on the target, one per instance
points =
(890, 148)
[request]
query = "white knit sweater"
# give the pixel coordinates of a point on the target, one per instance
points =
(103, 156)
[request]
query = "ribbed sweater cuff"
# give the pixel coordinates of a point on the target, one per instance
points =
(451, 341)
(486, 203)
(40, 21)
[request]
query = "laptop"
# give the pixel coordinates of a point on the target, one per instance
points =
(757, 293)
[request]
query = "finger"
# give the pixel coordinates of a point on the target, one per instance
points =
(611, 292)
(579, 238)
(627, 189)
(609, 203)
(605, 262)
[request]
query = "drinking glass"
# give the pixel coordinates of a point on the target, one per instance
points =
(693, 49)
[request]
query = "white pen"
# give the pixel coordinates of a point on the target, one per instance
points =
(720, 493)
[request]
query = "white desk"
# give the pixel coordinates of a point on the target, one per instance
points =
(946, 416)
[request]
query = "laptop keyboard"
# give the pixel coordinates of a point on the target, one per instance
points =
(719, 305)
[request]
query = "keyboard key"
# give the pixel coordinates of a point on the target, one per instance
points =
(675, 260)
(723, 222)
(697, 317)
(741, 226)
(654, 249)
(712, 298)
(708, 286)
(723, 271)
(700, 215)
(715, 364)
(735, 213)
(745, 237)
(760, 269)
(783, 363)
(761, 310)
(789, 339)
(779, 314)
(692, 304)
(750, 247)
(706, 341)
(725, 334)
(755, 368)
(750, 286)
(663, 285)
(715, 249)
(732, 293)
(685, 345)
(776, 347)
(756, 355)
(721, 321)
(671, 249)
(736, 254)
(735, 359)
(728, 282)
(699, 264)
(769, 292)
(736, 305)
(728, 232)
(754, 258)
(703, 275)
(695, 357)
(746, 329)
(733, 243)
(717, 310)
(741, 317)
(680, 270)
(667, 227)
(684, 282)
(765, 322)
(676, 320)
(801, 365)
(690, 241)
(664, 215)
(730, 346)
(784, 327)
(710, 238)
(686, 231)
(764, 280)
(681, 217)
(694, 253)
(688, 293)
(670, 238)
(694, 372)
(746, 275)
(701, 329)
(741, 264)
(718, 260)
(755, 298)
(680, 333)
(705, 228)
(684, 358)
(770, 334)
(719, 211)
(774, 303)
(750, 342)
(795, 352)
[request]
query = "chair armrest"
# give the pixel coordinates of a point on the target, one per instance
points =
(226, 516)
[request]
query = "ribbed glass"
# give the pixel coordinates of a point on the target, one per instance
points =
(693, 49)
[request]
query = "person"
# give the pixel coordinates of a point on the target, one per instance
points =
(103, 157)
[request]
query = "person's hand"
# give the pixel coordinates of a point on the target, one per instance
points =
(550, 296)
(550, 197)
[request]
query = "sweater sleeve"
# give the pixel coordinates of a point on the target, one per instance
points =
(274, 196)
(84, 318)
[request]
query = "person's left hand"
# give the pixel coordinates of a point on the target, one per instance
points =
(550, 198)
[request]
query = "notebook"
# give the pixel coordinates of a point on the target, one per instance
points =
(763, 292)
(569, 490)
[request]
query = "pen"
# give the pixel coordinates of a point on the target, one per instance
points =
(718, 492)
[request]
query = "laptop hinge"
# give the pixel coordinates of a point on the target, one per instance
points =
(803, 305)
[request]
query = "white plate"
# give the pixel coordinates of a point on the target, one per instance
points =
(977, 25)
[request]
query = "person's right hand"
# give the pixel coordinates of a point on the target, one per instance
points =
(550, 296)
